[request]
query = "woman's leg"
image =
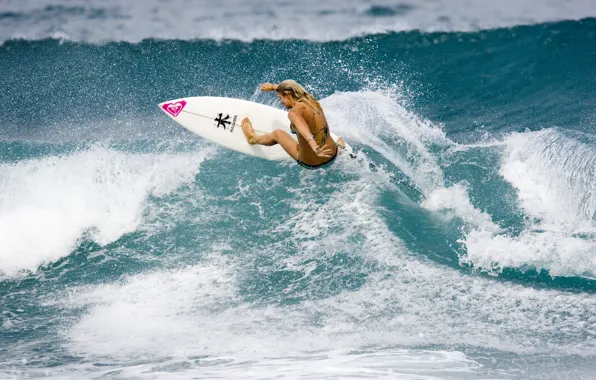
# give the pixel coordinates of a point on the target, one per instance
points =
(276, 137)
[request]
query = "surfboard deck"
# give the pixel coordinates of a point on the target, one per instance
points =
(218, 120)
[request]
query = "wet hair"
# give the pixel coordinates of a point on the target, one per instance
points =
(298, 93)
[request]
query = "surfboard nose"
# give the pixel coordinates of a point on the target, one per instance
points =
(173, 107)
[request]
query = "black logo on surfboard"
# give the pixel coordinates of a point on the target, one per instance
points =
(224, 121)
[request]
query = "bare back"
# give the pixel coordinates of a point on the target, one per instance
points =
(316, 123)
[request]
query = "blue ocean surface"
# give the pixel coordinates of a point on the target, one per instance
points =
(459, 244)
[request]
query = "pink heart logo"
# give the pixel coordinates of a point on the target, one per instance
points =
(174, 108)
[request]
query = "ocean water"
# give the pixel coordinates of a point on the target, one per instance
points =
(460, 244)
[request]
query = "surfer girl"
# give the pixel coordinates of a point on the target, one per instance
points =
(315, 148)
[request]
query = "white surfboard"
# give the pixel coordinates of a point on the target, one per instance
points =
(218, 120)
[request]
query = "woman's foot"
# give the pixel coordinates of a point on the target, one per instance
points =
(248, 131)
(342, 144)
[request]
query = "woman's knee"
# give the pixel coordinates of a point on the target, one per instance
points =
(277, 134)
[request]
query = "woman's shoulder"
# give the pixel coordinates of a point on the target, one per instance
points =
(299, 107)
(305, 110)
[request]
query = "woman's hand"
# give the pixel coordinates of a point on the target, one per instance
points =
(268, 87)
(323, 151)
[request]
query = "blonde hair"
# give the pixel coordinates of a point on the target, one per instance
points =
(299, 94)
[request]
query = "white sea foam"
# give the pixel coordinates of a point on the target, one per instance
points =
(134, 20)
(49, 203)
(555, 180)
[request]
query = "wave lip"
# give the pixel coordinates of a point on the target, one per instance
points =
(107, 21)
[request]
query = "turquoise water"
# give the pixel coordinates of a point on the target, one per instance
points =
(459, 245)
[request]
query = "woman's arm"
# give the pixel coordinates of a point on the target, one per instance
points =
(301, 127)
(268, 87)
